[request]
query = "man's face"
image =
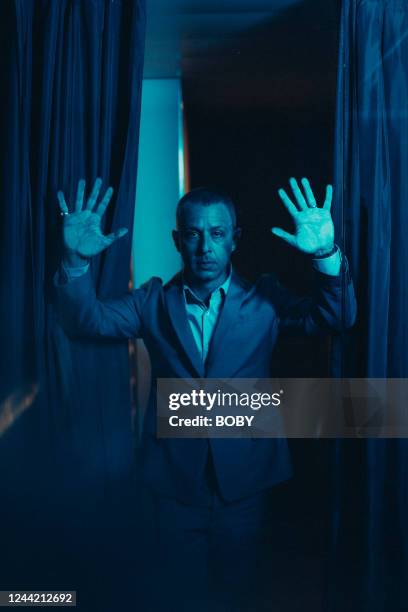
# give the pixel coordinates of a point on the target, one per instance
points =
(205, 240)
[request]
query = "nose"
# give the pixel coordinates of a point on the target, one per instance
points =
(205, 243)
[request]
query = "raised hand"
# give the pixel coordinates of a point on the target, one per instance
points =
(314, 229)
(82, 233)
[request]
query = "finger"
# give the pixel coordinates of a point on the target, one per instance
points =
(116, 235)
(94, 195)
(289, 205)
(104, 204)
(289, 238)
(301, 202)
(80, 196)
(62, 203)
(311, 200)
(329, 197)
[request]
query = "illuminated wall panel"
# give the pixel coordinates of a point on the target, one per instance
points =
(160, 182)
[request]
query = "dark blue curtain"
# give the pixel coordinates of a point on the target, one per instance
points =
(370, 533)
(70, 105)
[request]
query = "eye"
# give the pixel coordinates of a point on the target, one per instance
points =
(191, 234)
(218, 234)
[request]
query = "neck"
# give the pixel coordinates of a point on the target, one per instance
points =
(203, 289)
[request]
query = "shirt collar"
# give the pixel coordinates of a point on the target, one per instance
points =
(223, 289)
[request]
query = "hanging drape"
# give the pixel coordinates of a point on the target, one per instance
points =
(371, 161)
(70, 106)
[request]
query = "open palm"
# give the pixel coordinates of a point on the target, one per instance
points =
(82, 230)
(314, 229)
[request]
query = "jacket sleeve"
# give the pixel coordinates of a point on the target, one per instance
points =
(82, 314)
(330, 307)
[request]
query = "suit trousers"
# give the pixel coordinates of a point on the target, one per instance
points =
(209, 557)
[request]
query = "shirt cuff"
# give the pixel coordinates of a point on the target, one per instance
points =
(329, 265)
(69, 273)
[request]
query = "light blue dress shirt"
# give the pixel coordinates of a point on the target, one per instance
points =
(202, 316)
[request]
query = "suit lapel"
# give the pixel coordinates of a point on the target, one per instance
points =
(237, 291)
(178, 316)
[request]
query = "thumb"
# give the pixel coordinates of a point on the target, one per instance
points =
(116, 235)
(289, 238)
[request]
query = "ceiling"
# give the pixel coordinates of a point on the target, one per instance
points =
(195, 37)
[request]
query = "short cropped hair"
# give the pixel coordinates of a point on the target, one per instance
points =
(206, 197)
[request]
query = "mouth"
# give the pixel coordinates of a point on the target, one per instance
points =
(207, 264)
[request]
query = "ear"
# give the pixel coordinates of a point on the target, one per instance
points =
(176, 239)
(236, 237)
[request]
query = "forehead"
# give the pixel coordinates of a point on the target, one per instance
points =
(212, 215)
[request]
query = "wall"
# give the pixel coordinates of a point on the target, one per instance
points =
(160, 181)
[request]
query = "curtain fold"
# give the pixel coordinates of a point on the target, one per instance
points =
(371, 181)
(70, 109)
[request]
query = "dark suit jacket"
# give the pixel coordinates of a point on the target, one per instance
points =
(242, 345)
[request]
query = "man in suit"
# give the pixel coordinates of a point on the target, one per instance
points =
(210, 496)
